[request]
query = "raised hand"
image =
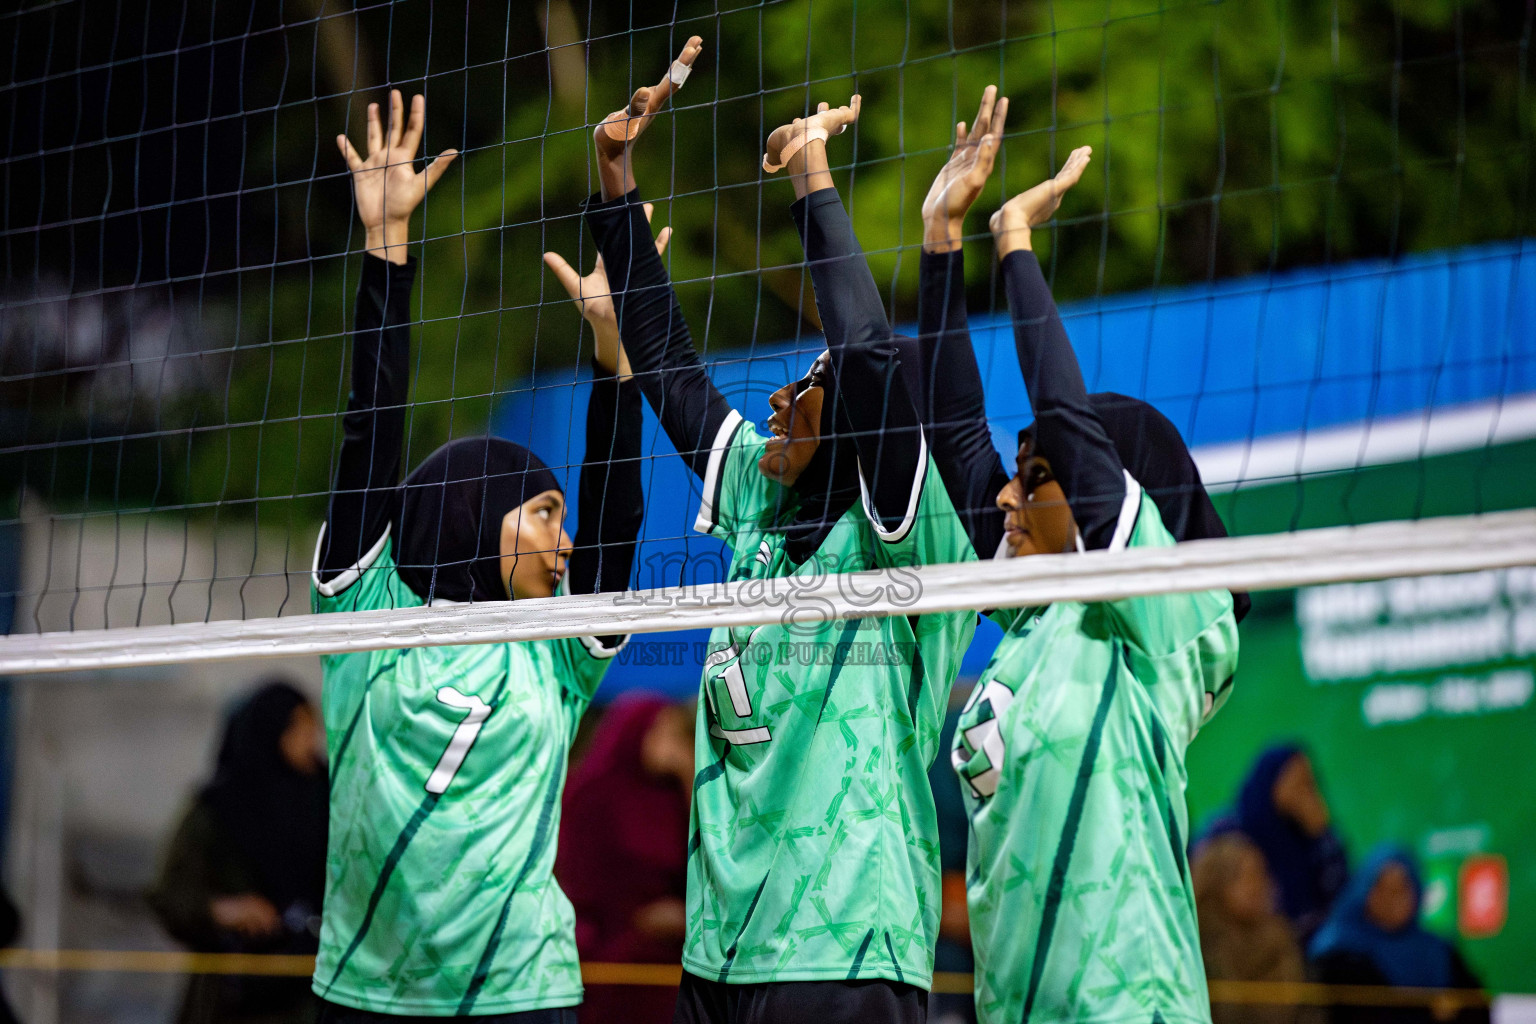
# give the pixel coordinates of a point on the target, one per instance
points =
(594, 300)
(1012, 223)
(386, 185)
(787, 140)
(614, 138)
(963, 176)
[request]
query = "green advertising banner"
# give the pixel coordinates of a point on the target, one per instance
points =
(1414, 696)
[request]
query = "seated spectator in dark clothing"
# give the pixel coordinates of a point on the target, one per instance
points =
(1281, 809)
(245, 869)
(1242, 936)
(623, 854)
(1373, 937)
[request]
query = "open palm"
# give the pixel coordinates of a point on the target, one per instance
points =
(1036, 206)
(962, 178)
(386, 185)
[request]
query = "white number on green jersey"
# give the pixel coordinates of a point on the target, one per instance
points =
(723, 671)
(463, 737)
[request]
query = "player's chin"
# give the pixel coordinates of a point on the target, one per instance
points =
(1019, 544)
(775, 463)
(542, 585)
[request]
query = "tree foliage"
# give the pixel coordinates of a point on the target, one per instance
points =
(1230, 136)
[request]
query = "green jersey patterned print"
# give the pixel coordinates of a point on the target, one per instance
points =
(814, 852)
(446, 770)
(1071, 758)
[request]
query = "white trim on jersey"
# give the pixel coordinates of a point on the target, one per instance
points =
(1128, 511)
(706, 517)
(594, 645)
(349, 576)
(900, 533)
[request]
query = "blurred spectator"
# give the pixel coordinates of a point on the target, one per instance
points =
(1373, 937)
(245, 869)
(953, 950)
(1242, 936)
(1282, 810)
(624, 850)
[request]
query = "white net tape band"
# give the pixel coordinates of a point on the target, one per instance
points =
(1273, 561)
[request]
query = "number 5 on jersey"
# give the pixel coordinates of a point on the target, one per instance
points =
(463, 737)
(722, 671)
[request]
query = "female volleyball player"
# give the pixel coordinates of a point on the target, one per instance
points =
(1071, 747)
(447, 762)
(813, 875)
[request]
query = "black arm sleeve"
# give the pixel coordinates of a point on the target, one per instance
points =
(1067, 430)
(609, 503)
(870, 391)
(368, 468)
(656, 336)
(954, 407)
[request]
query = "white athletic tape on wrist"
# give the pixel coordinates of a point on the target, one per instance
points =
(679, 72)
(792, 147)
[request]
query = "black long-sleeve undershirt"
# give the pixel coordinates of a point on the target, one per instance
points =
(610, 505)
(363, 501)
(368, 465)
(1068, 432)
(869, 388)
(661, 353)
(954, 405)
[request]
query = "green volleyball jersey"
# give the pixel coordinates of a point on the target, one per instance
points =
(1071, 758)
(814, 847)
(447, 765)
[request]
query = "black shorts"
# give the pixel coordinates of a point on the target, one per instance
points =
(330, 1013)
(799, 1002)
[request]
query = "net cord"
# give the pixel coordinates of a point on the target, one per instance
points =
(1448, 544)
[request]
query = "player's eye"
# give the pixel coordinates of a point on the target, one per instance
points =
(1037, 475)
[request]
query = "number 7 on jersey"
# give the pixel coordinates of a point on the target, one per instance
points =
(463, 737)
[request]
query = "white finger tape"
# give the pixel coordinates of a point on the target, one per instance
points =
(679, 73)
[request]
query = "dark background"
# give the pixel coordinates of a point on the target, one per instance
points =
(179, 250)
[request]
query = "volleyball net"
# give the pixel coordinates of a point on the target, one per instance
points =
(1301, 240)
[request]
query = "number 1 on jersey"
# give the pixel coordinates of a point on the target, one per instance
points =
(736, 690)
(463, 737)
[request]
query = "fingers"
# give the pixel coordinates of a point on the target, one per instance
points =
(375, 130)
(666, 87)
(354, 162)
(986, 154)
(564, 273)
(823, 107)
(411, 140)
(691, 50)
(959, 134)
(661, 239)
(639, 101)
(1072, 171)
(984, 113)
(436, 168)
(396, 117)
(999, 119)
(856, 104)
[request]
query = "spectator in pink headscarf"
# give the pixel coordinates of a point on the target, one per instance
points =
(624, 850)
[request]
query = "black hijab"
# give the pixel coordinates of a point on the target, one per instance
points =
(449, 516)
(829, 484)
(1152, 450)
(274, 816)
